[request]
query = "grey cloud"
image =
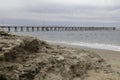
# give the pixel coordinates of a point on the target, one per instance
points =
(46, 13)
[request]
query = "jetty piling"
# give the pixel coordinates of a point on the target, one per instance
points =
(21, 29)
(27, 29)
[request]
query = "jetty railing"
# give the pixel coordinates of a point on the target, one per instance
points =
(51, 28)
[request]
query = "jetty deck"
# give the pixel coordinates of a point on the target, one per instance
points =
(53, 28)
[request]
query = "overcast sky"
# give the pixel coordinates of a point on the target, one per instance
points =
(60, 12)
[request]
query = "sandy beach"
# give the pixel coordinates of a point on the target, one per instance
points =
(111, 57)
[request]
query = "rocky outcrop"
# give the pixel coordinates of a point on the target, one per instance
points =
(27, 58)
(3, 33)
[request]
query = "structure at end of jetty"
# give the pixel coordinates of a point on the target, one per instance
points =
(53, 28)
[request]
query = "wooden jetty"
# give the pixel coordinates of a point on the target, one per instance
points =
(53, 28)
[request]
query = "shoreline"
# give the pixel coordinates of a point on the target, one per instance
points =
(101, 46)
(111, 57)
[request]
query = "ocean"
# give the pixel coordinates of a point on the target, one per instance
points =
(108, 40)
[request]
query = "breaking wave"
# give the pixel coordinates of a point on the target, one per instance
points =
(90, 45)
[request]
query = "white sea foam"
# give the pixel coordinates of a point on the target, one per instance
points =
(91, 45)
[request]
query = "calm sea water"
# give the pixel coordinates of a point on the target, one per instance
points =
(109, 40)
